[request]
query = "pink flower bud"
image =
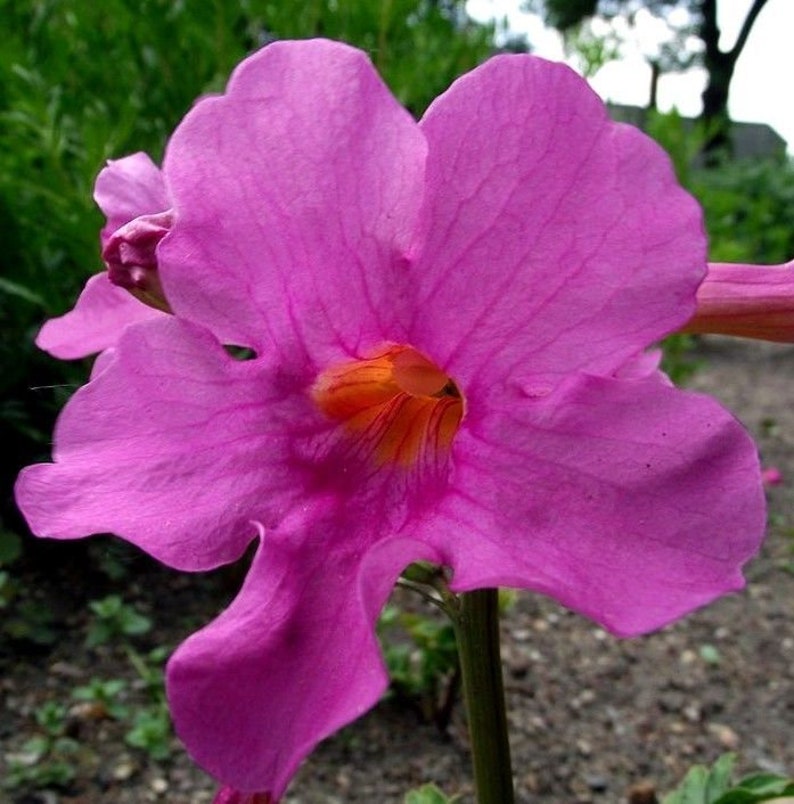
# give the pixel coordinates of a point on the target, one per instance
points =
(130, 255)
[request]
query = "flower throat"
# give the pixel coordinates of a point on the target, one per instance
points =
(399, 406)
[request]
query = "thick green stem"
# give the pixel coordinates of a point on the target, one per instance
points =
(477, 631)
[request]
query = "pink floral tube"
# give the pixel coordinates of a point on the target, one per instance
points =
(752, 301)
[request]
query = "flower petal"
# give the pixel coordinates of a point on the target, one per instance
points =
(626, 500)
(293, 658)
(558, 240)
(174, 446)
(127, 188)
(296, 196)
(751, 301)
(102, 311)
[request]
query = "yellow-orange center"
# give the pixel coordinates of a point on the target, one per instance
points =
(398, 403)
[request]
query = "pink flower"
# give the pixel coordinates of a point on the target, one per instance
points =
(132, 194)
(771, 476)
(753, 301)
(445, 319)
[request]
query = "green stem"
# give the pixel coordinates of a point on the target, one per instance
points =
(477, 632)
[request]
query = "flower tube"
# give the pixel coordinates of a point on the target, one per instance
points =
(751, 301)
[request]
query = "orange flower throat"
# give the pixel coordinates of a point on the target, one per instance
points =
(398, 404)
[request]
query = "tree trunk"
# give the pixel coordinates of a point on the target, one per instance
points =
(656, 73)
(719, 67)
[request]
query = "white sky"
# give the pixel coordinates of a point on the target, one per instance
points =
(762, 90)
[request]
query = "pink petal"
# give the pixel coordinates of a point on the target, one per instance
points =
(644, 366)
(293, 658)
(127, 188)
(627, 501)
(102, 311)
(752, 301)
(558, 240)
(297, 194)
(174, 446)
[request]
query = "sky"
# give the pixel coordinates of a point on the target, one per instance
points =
(762, 90)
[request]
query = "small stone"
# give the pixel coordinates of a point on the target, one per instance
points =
(584, 747)
(538, 722)
(692, 713)
(159, 785)
(596, 783)
(642, 793)
(123, 771)
(530, 782)
(586, 697)
(725, 735)
(88, 710)
(343, 781)
(66, 670)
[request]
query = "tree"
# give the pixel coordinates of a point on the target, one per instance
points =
(700, 20)
(720, 65)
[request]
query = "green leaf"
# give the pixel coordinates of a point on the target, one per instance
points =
(151, 732)
(703, 785)
(17, 291)
(759, 788)
(713, 786)
(428, 794)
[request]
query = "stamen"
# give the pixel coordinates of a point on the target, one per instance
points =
(398, 404)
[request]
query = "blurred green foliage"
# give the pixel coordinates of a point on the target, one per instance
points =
(115, 620)
(421, 654)
(747, 203)
(713, 785)
(45, 760)
(429, 794)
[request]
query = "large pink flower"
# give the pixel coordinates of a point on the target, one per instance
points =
(445, 319)
(132, 194)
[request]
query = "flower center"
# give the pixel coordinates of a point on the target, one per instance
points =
(399, 405)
